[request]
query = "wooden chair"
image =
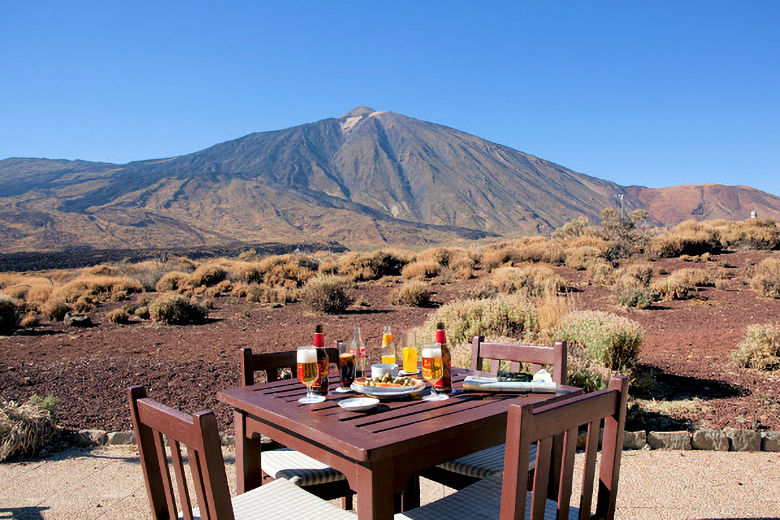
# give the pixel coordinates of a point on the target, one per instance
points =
(198, 433)
(278, 461)
(461, 472)
(507, 497)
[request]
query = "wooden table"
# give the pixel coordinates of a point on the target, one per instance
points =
(381, 452)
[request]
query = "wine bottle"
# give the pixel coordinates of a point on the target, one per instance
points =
(320, 386)
(358, 348)
(445, 383)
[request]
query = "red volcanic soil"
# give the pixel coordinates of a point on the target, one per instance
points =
(689, 344)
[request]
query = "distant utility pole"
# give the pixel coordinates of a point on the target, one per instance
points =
(620, 200)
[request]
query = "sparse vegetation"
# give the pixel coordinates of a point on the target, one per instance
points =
(172, 281)
(30, 321)
(55, 310)
(177, 310)
(421, 270)
(118, 316)
(766, 279)
(207, 275)
(269, 294)
(9, 314)
(412, 294)
(328, 294)
(760, 349)
(27, 428)
(371, 266)
(611, 340)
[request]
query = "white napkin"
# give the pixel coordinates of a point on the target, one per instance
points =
(541, 383)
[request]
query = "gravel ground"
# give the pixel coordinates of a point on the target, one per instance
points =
(107, 483)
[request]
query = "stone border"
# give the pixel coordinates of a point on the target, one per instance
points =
(730, 439)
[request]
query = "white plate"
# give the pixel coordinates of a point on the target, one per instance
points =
(358, 404)
(383, 392)
(405, 373)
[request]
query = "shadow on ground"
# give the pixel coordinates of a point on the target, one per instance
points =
(22, 513)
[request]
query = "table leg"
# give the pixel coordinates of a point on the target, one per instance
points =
(375, 491)
(249, 474)
(411, 495)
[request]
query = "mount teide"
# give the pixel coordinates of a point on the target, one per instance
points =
(366, 178)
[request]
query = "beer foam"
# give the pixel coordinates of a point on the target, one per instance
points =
(307, 355)
(431, 352)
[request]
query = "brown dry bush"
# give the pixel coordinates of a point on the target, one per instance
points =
(30, 321)
(766, 279)
(95, 285)
(328, 265)
(172, 281)
(223, 287)
(679, 284)
(602, 273)
(55, 310)
(581, 257)
(328, 294)
(247, 272)
(118, 316)
(83, 305)
(27, 428)
(496, 255)
(689, 237)
(572, 229)
(142, 312)
(9, 314)
(177, 310)
(753, 233)
(182, 263)
(455, 262)
(371, 266)
(640, 274)
(538, 249)
(296, 268)
(534, 279)
(207, 275)
(421, 270)
(760, 349)
(412, 294)
(271, 294)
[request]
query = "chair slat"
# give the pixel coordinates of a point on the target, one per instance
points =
(198, 483)
(181, 481)
(589, 471)
(541, 478)
(609, 469)
(566, 473)
(516, 454)
(162, 460)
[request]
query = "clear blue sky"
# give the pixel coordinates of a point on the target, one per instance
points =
(651, 93)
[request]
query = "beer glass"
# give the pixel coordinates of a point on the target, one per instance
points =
(432, 371)
(409, 352)
(308, 371)
(347, 366)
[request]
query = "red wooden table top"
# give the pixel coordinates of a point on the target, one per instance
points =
(392, 428)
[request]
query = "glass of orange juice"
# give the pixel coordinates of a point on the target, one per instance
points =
(409, 352)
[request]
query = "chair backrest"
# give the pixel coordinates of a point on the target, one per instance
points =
(198, 432)
(537, 356)
(272, 362)
(526, 425)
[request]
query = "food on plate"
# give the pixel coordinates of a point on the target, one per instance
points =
(388, 381)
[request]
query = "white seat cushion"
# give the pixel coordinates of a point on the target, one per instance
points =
(283, 499)
(298, 468)
(484, 463)
(479, 501)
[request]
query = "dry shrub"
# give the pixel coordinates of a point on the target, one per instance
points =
(182, 263)
(247, 272)
(26, 429)
(142, 312)
(9, 314)
(240, 290)
(295, 268)
(223, 287)
(421, 270)
(271, 294)
(678, 285)
(96, 285)
(148, 272)
(534, 279)
(549, 308)
(371, 266)
(761, 347)
(766, 279)
(172, 281)
(602, 273)
(328, 294)
(118, 316)
(30, 321)
(328, 265)
(177, 310)
(83, 305)
(412, 294)
(207, 275)
(573, 229)
(753, 233)
(461, 267)
(582, 256)
(496, 255)
(55, 310)
(689, 237)
(610, 340)
(103, 270)
(538, 249)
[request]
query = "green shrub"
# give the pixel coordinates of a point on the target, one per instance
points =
(412, 294)
(635, 297)
(608, 339)
(25, 429)
(9, 315)
(328, 294)
(766, 280)
(118, 316)
(177, 310)
(761, 347)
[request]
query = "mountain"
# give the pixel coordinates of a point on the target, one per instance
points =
(367, 178)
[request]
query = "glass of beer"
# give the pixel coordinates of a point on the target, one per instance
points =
(409, 352)
(432, 371)
(347, 366)
(308, 371)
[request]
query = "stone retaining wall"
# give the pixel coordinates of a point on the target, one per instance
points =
(730, 439)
